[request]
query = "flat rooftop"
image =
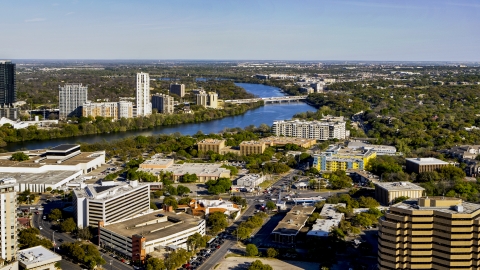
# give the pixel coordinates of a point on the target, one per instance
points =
(49, 178)
(211, 141)
(107, 190)
(468, 208)
(294, 221)
(158, 161)
(64, 147)
(399, 186)
(200, 169)
(427, 161)
(154, 225)
(37, 155)
(37, 256)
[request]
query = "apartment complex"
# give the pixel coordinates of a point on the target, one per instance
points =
(71, 97)
(8, 87)
(211, 145)
(144, 106)
(319, 130)
(282, 141)
(163, 103)
(338, 158)
(419, 165)
(430, 233)
(113, 110)
(387, 192)
(8, 220)
(177, 89)
(139, 236)
(109, 202)
(252, 147)
(207, 100)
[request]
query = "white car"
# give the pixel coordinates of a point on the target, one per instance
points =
(40, 227)
(261, 200)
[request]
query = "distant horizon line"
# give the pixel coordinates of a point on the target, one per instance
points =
(239, 60)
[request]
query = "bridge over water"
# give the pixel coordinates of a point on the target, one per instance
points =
(287, 99)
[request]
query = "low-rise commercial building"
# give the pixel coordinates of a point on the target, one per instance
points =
(379, 149)
(338, 158)
(250, 180)
(387, 192)
(419, 165)
(139, 236)
(214, 145)
(252, 147)
(282, 141)
(205, 207)
(430, 233)
(330, 218)
(38, 258)
(109, 202)
(203, 171)
(288, 228)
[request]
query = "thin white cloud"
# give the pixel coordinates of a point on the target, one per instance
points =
(69, 13)
(35, 20)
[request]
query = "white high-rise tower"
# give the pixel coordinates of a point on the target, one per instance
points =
(144, 106)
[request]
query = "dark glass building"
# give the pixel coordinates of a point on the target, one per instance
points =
(8, 89)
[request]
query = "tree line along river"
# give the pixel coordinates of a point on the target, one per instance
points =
(262, 115)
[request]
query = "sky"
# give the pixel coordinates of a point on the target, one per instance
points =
(368, 30)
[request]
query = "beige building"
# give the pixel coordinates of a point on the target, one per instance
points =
(113, 110)
(207, 100)
(282, 141)
(8, 220)
(430, 233)
(387, 192)
(211, 145)
(252, 147)
(288, 228)
(419, 165)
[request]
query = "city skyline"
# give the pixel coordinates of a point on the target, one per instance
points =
(370, 30)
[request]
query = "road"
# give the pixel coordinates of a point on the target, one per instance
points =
(58, 237)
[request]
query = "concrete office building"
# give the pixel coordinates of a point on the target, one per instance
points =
(419, 165)
(252, 147)
(8, 86)
(8, 220)
(387, 192)
(430, 233)
(38, 258)
(250, 180)
(139, 236)
(109, 202)
(288, 228)
(211, 145)
(71, 97)
(177, 89)
(144, 106)
(319, 130)
(163, 103)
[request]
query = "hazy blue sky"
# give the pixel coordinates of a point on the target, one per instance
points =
(242, 29)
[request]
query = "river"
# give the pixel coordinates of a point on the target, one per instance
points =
(262, 115)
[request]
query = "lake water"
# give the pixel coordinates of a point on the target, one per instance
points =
(263, 115)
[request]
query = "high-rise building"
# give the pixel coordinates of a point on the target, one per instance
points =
(144, 106)
(163, 103)
(8, 88)
(207, 100)
(430, 233)
(8, 219)
(177, 89)
(71, 97)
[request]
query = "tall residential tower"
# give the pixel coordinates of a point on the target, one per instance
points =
(8, 89)
(8, 219)
(144, 106)
(71, 98)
